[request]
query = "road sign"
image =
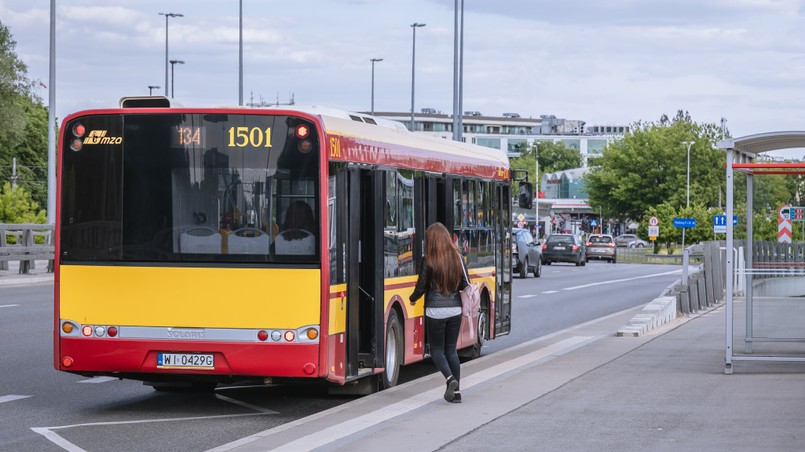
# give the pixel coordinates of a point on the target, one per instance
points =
(593, 223)
(686, 223)
(720, 223)
(653, 232)
(797, 213)
(653, 221)
(784, 224)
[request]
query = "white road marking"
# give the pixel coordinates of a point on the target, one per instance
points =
(52, 436)
(550, 291)
(361, 423)
(527, 296)
(613, 281)
(8, 305)
(97, 380)
(12, 397)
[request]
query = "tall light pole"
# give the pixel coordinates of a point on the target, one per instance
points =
(374, 60)
(458, 71)
(173, 78)
(536, 183)
(167, 15)
(151, 89)
(687, 196)
(240, 56)
(687, 190)
(414, 26)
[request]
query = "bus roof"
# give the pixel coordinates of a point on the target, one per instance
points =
(365, 138)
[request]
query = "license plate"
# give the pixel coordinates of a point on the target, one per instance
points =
(185, 360)
(560, 248)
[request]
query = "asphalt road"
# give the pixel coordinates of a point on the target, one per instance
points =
(43, 409)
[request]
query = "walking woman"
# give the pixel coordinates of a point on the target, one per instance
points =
(441, 277)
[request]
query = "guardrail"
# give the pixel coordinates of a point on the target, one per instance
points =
(645, 256)
(26, 243)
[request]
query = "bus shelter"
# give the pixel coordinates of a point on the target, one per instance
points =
(774, 272)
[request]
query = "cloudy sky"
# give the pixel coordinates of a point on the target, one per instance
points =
(604, 62)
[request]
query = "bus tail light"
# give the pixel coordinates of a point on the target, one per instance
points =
(67, 327)
(290, 336)
(262, 335)
(86, 330)
(79, 130)
(305, 146)
(302, 131)
(76, 144)
(67, 361)
(111, 331)
(312, 334)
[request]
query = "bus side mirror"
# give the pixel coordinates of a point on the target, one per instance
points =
(526, 198)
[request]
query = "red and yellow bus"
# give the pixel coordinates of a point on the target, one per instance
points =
(198, 246)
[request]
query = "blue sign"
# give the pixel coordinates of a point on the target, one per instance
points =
(721, 220)
(593, 223)
(686, 223)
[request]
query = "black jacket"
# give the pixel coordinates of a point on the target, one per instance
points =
(434, 298)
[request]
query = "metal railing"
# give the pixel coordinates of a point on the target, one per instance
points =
(26, 243)
(645, 256)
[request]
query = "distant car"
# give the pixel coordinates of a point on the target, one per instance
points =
(525, 253)
(564, 248)
(630, 241)
(601, 246)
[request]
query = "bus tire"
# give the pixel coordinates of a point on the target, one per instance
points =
(393, 351)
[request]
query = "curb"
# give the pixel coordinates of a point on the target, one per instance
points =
(658, 312)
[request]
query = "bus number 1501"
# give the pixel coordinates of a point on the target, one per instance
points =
(241, 137)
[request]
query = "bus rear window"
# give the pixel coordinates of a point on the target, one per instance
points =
(191, 187)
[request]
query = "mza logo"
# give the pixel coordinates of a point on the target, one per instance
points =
(99, 137)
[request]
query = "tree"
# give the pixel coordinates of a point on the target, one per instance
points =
(16, 206)
(23, 123)
(557, 156)
(552, 157)
(649, 168)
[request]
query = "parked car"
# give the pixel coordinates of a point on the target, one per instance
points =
(526, 253)
(564, 248)
(630, 241)
(601, 246)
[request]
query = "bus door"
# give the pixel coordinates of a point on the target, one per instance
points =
(503, 261)
(364, 276)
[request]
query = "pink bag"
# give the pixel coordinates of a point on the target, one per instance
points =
(470, 300)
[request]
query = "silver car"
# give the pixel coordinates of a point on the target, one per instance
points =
(601, 246)
(630, 241)
(526, 253)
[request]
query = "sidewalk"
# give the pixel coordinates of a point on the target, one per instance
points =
(579, 389)
(38, 275)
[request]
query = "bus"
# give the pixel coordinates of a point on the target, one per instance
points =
(205, 246)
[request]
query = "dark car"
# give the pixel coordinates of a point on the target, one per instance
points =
(525, 253)
(601, 246)
(564, 248)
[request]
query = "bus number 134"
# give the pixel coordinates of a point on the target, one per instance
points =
(240, 137)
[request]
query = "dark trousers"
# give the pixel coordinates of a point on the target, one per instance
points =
(443, 336)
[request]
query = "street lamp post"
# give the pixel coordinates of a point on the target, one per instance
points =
(687, 191)
(536, 183)
(167, 15)
(414, 26)
(374, 60)
(173, 78)
(151, 89)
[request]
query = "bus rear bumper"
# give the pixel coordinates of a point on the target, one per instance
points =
(110, 357)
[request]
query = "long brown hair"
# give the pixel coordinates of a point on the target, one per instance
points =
(442, 259)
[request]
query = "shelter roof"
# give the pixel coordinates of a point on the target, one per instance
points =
(764, 142)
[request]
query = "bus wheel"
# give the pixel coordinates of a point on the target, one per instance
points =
(480, 334)
(394, 350)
